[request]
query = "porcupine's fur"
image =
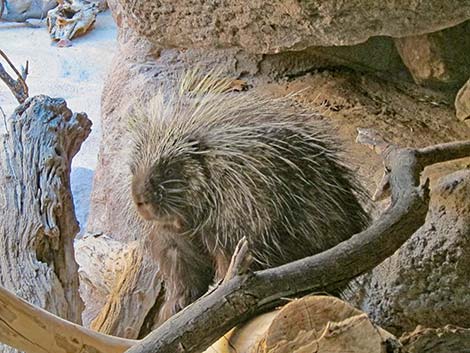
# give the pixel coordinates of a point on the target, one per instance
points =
(211, 167)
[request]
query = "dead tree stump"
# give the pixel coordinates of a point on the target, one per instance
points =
(38, 220)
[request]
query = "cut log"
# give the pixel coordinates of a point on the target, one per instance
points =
(324, 324)
(38, 220)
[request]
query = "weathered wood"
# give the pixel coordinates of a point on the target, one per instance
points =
(197, 326)
(71, 19)
(34, 330)
(38, 221)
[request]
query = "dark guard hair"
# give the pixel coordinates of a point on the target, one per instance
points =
(210, 167)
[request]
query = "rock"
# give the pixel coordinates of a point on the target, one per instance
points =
(462, 103)
(265, 27)
(22, 10)
(426, 281)
(378, 54)
(440, 59)
(439, 340)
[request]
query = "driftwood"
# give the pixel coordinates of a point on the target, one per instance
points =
(70, 19)
(18, 87)
(34, 330)
(38, 221)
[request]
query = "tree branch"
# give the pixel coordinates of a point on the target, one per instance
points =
(200, 324)
(34, 330)
(18, 87)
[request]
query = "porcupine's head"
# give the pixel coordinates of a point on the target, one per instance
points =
(168, 163)
(166, 190)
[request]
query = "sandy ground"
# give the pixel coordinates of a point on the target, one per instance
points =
(75, 74)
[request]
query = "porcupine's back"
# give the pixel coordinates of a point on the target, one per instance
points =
(253, 166)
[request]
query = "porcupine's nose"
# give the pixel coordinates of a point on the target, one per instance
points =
(141, 199)
(145, 208)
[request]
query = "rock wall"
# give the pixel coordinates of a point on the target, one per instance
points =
(426, 281)
(266, 27)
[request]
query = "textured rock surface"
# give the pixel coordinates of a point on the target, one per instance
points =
(440, 59)
(262, 26)
(426, 281)
(462, 103)
(441, 340)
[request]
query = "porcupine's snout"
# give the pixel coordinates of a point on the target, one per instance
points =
(146, 201)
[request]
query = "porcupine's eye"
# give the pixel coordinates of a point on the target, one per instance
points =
(159, 193)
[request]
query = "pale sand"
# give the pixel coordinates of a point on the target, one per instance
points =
(75, 74)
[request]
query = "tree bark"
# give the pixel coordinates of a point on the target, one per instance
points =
(38, 221)
(18, 87)
(132, 287)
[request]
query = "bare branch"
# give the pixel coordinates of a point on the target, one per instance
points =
(18, 86)
(4, 116)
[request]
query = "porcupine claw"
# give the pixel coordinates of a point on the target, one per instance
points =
(240, 262)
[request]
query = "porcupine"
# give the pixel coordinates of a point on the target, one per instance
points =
(209, 167)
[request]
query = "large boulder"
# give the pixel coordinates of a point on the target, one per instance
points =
(462, 103)
(440, 59)
(21, 10)
(262, 26)
(426, 281)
